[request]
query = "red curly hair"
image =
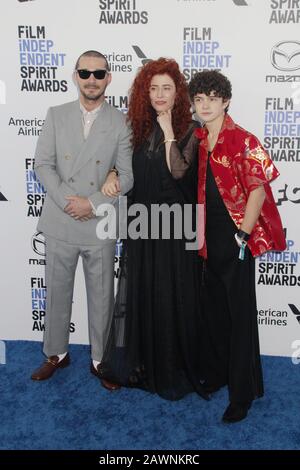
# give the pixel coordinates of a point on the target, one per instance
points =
(141, 115)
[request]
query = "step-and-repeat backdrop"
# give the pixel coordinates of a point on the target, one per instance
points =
(256, 43)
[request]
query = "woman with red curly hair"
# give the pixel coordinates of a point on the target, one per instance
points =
(155, 339)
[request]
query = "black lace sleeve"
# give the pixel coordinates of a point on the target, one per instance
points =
(184, 154)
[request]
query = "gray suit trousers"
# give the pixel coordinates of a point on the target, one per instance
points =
(98, 266)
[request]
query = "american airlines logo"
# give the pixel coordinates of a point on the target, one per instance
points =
(295, 311)
(141, 55)
(2, 197)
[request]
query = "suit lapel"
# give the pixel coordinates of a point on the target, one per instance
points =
(75, 132)
(97, 134)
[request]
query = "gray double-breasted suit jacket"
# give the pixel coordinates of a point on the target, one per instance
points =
(66, 165)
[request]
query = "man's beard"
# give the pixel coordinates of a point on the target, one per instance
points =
(92, 97)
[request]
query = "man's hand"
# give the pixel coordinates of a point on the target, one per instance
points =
(79, 208)
(111, 186)
(90, 216)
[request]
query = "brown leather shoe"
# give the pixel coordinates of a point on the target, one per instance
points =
(105, 383)
(49, 367)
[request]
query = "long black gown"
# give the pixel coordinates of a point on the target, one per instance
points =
(155, 342)
(229, 310)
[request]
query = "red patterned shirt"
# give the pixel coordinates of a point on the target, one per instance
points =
(240, 164)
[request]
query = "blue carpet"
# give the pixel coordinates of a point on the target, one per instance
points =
(72, 410)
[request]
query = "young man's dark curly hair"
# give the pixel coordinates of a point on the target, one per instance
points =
(210, 81)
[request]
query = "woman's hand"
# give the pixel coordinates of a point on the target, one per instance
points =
(111, 187)
(164, 119)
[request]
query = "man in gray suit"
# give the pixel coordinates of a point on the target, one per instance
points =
(80, 143)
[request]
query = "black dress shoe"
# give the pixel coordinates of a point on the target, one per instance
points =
(105, 383)
(211, 388)
(51, 364)
(236, 412)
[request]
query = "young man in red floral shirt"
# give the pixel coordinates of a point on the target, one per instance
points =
(241, 222)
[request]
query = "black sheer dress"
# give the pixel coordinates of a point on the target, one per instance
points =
(155, 342)
(230, 340)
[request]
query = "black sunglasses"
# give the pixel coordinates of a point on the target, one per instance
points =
(85, 74)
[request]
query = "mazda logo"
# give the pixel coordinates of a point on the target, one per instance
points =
(285, 56)
(38, 244)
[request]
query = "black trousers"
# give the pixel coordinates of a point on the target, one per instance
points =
(231, 344)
